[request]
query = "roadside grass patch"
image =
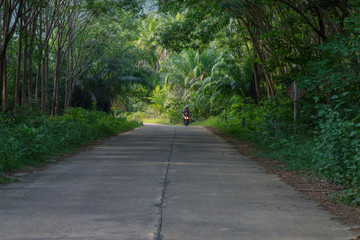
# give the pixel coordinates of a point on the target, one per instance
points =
(6, 179)
(157, 121)
(32, 138)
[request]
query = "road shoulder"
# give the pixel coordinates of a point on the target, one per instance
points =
(317, 190)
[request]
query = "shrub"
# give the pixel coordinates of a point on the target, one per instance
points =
(30, 139)
(338, 148)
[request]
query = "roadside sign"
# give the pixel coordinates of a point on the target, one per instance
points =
(294, 93)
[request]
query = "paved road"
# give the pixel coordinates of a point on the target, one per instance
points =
(160, 182)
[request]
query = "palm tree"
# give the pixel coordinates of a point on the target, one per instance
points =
(216, 87)
(180, 71)
(147, 42)
(198, 79)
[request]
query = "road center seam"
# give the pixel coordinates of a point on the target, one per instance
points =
(165, 184)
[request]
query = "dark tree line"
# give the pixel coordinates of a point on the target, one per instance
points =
(45, 47)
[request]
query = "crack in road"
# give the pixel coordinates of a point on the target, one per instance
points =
(165, 184)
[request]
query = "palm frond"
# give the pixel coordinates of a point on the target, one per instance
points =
(220, 67)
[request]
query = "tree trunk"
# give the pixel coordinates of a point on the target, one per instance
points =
(11, 12)
(255, 41)
(1, 78)
(4, 88)
(18, 75)
(38, 77)
(23, 87)
(45, 81)
(67, 81)
(56, 101)
(43, 93)
(38, 74)
(30, 83)
(71, 78)
(57, 76)
(32, 34)
(255, 77)
(45, 68)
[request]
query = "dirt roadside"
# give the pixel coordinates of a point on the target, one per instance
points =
(316, 189)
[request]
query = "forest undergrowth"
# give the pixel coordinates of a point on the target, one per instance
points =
(31, 139)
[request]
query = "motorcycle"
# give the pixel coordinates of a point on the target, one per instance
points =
(186, 118)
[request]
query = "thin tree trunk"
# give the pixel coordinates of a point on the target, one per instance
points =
(3, 81)
(67, 81)
(43, 91)
(4, 88)
(30, 83)
(32, 33)
(56, 101)
(255, 77)
(45, 82)
(18, 75)
(269, 83)
(70, 78)
(57, 76)
(1, 78)
(38, 74)
(23, 87)
(47, 99)
(38, 79)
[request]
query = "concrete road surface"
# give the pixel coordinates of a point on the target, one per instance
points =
(160, 182)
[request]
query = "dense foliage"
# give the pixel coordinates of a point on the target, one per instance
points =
(59, 54)
(33, 138)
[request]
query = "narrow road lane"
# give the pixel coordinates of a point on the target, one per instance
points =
(111, 192)
(216, 193)
(160, 182)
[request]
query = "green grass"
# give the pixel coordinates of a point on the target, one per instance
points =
(6, 179)
(158, 121)
(211, 122)
(32, 138)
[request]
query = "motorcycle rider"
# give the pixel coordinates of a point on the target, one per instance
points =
(186, 112)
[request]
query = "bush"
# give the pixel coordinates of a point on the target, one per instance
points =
(338, 149)
(30, 139)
